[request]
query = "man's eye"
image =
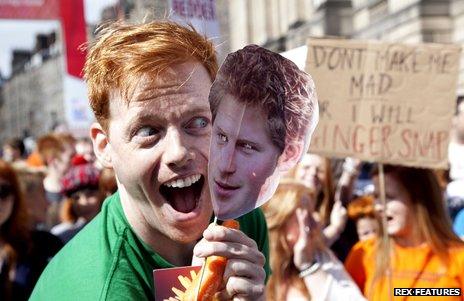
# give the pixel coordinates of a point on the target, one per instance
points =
(146, 131)
(198, 123)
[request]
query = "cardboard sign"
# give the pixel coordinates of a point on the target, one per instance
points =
(384, 102)
(169, 281)
(201, 14)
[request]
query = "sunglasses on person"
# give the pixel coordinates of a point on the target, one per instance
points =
(5, 191)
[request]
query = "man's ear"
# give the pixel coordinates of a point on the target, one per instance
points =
(290, 156)
(101, 146)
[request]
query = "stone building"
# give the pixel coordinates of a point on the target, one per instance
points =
(411, 21)
(282, 25)
(32, 98)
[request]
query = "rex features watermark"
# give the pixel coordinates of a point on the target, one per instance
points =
(427, 292)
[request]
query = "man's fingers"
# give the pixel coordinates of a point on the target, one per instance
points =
(222, 295)
(197, 261)
(243, 268)
(244, 275)
(237, 286)
(229, 250)
(220, 233)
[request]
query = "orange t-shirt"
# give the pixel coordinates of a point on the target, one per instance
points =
(416, 267)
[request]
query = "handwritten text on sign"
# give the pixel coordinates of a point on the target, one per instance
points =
(384, 102)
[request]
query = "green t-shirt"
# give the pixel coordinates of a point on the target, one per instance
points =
(107, 261)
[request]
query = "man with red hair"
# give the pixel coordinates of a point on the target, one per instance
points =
(148, 87)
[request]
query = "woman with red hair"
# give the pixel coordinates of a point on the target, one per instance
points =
(23, 253)
(417, 247)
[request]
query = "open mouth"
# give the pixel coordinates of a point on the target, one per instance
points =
(183, 194)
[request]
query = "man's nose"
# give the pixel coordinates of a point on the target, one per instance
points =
(176, 153)
(227, 161)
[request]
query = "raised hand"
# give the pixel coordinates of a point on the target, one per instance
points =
(304, 248)
(338, 216)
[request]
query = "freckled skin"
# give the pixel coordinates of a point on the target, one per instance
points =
(163, 132)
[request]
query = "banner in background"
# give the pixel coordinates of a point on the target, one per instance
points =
(79, 116)
(201, 14)
(30, 9)
(384, 102)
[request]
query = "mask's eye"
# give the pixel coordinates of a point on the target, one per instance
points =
(247, 146)
(222, 138)
(146, 131)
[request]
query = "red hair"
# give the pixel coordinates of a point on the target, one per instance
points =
(50, 147)
(431, 219)
(123, 53)
(361, 207)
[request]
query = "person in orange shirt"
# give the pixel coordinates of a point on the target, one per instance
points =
(419, 248)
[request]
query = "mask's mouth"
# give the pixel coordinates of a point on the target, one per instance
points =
(183, 194)
(226, 186)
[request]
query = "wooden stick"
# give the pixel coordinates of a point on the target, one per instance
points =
(385, 231)
(203, 268)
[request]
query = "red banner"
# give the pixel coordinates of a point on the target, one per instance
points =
(73, 22)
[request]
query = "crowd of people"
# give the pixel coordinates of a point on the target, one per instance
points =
(329, 236)
(46, 196)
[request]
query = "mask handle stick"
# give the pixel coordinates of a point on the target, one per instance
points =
(197, 290)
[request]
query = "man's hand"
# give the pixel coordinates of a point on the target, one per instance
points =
(244, 275)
